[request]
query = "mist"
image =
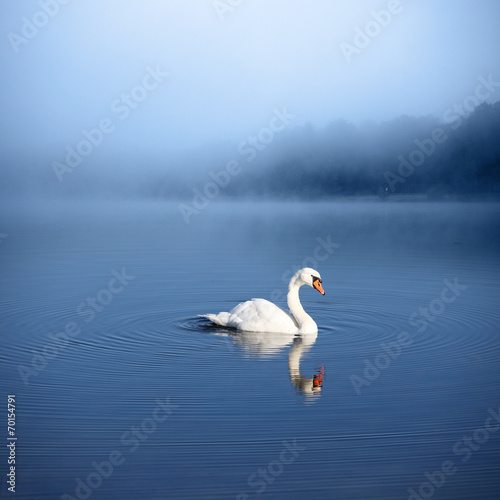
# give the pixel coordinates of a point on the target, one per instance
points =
(155, 99)
(173, 172)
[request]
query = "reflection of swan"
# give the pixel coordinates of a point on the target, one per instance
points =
(307, 386)
(263, 344)
(268, 345)
(260, 315)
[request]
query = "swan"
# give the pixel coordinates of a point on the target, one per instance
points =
(260, 315)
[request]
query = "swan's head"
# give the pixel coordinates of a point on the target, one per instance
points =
(308, 276)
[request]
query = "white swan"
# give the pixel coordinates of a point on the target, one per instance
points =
(260, 315)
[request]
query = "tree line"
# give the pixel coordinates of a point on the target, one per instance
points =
(407, 155)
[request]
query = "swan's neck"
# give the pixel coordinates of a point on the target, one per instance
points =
(305, 323)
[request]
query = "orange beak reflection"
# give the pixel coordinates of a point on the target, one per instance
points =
(317, 285)
(319, 378)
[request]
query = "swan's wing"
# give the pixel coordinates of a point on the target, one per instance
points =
(260, 315)
(256, 315)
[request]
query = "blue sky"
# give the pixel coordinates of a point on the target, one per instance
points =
(229, 68)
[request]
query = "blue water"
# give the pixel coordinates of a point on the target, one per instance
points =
(124, 392)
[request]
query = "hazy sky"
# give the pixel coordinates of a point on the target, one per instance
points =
(230, 66)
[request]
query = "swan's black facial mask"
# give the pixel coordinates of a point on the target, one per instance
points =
(317, 285)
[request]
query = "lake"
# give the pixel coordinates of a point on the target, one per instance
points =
(122, 391)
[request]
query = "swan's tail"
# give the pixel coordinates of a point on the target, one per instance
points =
(219, 319)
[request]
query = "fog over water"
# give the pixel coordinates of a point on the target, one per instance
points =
(98, 95)
(162, 160)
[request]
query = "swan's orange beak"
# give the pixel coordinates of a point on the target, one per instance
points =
(317, 285)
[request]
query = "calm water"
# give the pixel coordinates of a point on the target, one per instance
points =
(123, 392)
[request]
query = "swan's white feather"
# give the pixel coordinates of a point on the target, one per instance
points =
(256, 315)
